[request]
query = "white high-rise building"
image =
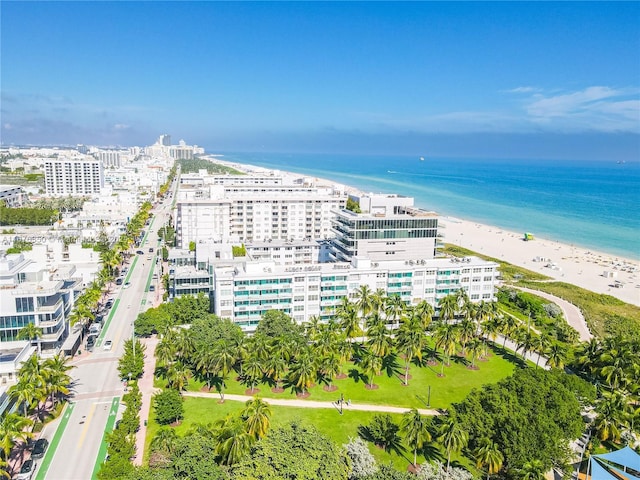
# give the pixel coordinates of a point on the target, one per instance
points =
(73, 176)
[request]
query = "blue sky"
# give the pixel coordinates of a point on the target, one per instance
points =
(554, 80)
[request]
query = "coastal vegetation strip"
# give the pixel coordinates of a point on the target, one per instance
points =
(193, 165)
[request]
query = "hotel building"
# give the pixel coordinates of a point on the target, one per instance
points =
(391, 247)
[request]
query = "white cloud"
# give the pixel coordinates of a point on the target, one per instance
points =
(523, 90)
(121, 126)
(594, 108)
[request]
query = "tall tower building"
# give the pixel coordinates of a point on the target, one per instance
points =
(164, 140)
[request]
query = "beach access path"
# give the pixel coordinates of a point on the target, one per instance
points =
(572, 314)
(283, 402)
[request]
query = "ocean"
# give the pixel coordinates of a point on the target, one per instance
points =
(595, 205)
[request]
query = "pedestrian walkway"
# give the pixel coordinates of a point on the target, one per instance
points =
(571, 313)
(147, 389)
(284, 402)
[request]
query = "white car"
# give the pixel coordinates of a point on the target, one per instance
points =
(107, 345)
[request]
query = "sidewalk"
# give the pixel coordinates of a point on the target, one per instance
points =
(312, 403)
(572, 314)
(146, 388)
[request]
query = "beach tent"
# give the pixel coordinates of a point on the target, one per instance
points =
(601, 468)
(528, 236)
(627, 457)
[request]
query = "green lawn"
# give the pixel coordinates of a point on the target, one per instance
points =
(340, 428)
(453, 387)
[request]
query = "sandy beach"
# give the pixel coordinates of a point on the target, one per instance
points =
(567, 263)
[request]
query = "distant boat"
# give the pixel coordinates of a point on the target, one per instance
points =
(391, 171)
(422, 159)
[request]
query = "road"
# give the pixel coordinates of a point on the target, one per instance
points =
(77, 447)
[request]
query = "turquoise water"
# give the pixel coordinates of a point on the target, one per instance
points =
(590, 204)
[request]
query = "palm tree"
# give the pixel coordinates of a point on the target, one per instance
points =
(395, 309)
(224, 353)
(556, 355)
(466, 330)
(489, 455)
(448, 307)
(205, 362)
(445, 339)
(253, 372)
(452, 436)
(30, 332)
(12, 428)
(276, 367)
(303, 372)
(55, 373)
(424, 311)
(611, 412)
(416, 430)
(166, 349)
(379, 339)
(233, 440)
(178, 375)
(371, 364)
(475, 349)
(256, 415)
(24, 392)
(532, 470)
(330, 365)
(165, 440)
(350, 321)
(364, 301)
(410, 340)
(526, 342)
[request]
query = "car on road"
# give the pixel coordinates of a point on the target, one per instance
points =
(39, 448)
(140, 252)
(127, 285)
(150, 249)
(152, 288)
(27, 469)
(107, 345)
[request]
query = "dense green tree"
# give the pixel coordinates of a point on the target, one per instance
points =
(383, 432)
(531, 415)
(195, 458)
(315, 457)
(169, 406)
(276, 323)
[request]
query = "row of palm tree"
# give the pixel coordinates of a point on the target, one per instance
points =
(321, 353)
(39, 382)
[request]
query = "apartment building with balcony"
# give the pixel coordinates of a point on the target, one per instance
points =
(393, 250)
(34, 293)
(73, 176)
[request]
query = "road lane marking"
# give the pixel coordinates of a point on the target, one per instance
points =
(46, 461)
(87, 421)
(107, 323)
(102, 452)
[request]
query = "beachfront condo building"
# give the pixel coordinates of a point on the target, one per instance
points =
(73, 176)
(255, 213)
(392, 249)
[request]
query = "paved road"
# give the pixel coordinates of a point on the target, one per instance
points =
(571, 313)
(77, 449)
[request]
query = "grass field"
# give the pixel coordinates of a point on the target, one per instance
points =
(340, 428)
(453, 387)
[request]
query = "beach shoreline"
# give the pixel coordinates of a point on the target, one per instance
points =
(563, 262)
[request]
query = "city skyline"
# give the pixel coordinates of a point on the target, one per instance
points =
(546, 80)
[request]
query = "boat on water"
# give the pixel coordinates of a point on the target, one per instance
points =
(391, 171)
(422, 159)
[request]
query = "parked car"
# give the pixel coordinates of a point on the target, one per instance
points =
(139, 252)
(40, 447)
(91, 341)
(118, 281)
(27, 469)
